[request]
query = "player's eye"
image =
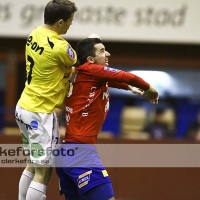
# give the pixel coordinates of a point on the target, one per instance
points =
(102, 50)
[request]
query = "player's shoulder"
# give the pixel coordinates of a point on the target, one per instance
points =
(50, 36)
(59, 40)
(61, 44)
(100, 67)
(37, 29)
(90, 68)
(87, 66)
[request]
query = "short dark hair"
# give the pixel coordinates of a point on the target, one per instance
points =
(86, 48)
(58, 9)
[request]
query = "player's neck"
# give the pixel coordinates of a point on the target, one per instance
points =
(51, 27)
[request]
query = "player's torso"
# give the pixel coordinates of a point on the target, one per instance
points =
(86, 109)
(48, 75)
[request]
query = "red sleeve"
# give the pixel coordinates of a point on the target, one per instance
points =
(135, 81)
(115, 75)
(118, 85)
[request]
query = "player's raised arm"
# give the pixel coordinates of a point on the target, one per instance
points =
(136, 82)
(135, 90)
(125, 86)
(151, 94)
(130, 82)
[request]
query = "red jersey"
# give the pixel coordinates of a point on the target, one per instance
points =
(87, 103)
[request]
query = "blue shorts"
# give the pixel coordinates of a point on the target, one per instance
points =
(79, 169)
(100, 192)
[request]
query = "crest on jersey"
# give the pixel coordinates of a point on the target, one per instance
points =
(111, 69)
(83, 179)
(70, 52)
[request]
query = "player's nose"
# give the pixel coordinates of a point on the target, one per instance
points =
(107, 54)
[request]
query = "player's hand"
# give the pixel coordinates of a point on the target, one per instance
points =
(151, 95)
(135, 90)
(94, 35)
(74, 71)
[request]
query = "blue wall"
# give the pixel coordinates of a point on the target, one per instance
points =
(186, 112)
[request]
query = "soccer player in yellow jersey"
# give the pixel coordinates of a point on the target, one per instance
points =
(49, 61)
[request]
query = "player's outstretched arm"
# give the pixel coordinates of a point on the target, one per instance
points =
(151, 95)
(135, 90)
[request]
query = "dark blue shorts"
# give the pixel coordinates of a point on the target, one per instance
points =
(79, 169)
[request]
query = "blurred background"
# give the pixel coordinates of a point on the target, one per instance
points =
(153, 39)
(157, 40)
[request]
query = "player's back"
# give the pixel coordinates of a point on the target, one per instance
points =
(48, 64)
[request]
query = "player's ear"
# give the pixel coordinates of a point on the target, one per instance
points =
(90, 59)
(60, 22)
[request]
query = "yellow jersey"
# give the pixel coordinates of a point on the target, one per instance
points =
(49, 60)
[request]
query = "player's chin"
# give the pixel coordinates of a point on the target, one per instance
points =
(65, 31)
(106, 64)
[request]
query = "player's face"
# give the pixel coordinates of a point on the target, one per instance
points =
(65, 25)
(101, 55)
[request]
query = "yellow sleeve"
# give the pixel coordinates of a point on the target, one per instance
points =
(66, 54)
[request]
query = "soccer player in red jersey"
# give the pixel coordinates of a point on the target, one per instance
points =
(83, 176)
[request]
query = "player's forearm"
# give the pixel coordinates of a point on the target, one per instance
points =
(135, 81)
(118, 85)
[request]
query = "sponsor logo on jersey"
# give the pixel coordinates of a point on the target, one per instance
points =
(84, 114)
(107, 106)
(68, 109)
(111, 69)
(34, 125)
(85, 111)
(105, 95)
(67, 117)
(70, 52)
(83, 179)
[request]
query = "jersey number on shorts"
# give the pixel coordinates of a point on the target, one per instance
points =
(30, 59)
